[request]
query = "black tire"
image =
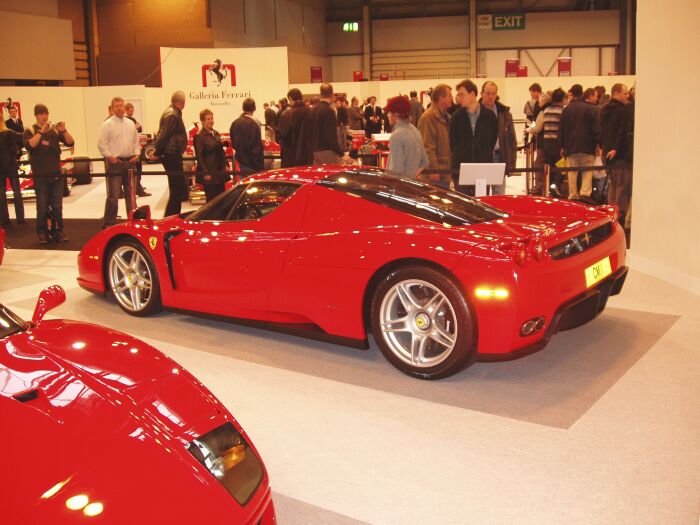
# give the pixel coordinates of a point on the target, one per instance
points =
(81, 170)
(153, 303)
(455, 308)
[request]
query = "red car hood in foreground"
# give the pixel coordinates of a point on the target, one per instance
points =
(97, 420)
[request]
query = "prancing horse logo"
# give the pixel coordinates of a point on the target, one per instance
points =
(218, 72)
(153, 242)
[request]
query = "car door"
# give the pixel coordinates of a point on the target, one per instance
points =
(227, 267)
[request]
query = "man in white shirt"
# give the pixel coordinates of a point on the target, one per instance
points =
(119, 145)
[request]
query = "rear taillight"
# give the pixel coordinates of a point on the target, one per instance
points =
(519, 253)
(536, 249)
(523, 252)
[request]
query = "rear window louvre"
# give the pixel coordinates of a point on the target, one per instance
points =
(581, 243)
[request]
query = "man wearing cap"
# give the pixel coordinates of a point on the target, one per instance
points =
(43, 142)
(407, 156)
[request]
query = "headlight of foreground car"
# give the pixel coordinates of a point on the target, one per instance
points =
(226, 454)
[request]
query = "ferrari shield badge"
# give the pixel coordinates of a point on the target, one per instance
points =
(152, 242)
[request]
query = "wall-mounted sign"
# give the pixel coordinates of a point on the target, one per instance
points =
(351, 27)
(512, 67)
(358, 76)
(564, 66)
(522, 71)
(316, 74)
(508, 22)
(484, 22)
(384, 76)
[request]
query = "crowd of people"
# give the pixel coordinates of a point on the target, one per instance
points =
(581, 128)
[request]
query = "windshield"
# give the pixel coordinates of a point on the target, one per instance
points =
(10, 323)
(413, 197)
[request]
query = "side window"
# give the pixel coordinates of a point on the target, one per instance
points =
(260, 199)
(219, 208)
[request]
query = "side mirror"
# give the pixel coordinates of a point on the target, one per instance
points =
(49, 298)
(142, 213)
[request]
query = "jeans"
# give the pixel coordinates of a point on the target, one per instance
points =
(177, 184)
(498, 189)
(620, 186)
(17, 198)
(117, 177)
(576, 160)
(49, 194)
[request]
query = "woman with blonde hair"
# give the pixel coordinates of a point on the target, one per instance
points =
(10, 147)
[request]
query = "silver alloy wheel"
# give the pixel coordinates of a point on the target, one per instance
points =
(418, 323)
(130, 278)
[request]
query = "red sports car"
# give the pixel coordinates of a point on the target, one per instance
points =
(2, 244)
(440, 279)
(97, 424)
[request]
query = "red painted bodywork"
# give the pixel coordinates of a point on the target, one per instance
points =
(112, 417)
(313, 259)
(2, 244)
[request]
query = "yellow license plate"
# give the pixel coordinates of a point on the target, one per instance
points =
(598, 272)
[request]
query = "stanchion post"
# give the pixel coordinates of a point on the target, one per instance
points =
(132, 188)
(547, 169)
(528, 165)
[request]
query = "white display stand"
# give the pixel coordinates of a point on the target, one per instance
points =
(481, 175)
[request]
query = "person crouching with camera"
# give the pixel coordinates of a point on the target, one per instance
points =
(43, 142)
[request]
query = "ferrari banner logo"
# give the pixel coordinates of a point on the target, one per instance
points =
(152, 242)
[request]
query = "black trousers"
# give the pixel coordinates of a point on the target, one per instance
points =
(212, 190)
(177, 184)
(49, 194)
(17, 197)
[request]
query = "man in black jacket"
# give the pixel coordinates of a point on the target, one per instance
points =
(171, 142)
(507, 144)
(580, 138)
(612, 123)
(246, 140)
(14, 122)
(373, 117)
(324, 130)
(293, 132)
(473, 132)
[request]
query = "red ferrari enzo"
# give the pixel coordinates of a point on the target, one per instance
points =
(440, 279)
(97, 424)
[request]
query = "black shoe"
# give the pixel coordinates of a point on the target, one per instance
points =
(21, 221)
(60, 236)
(5, 224)
(144, 194)
(42, 238)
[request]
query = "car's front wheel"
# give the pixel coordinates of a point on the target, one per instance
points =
(132, 279)
(422, 323)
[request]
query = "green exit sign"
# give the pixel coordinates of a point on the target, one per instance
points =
(508, 22)
(351, 27)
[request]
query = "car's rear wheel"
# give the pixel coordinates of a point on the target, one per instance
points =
(422, 323)
(132, 279)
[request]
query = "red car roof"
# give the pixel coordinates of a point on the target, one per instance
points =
(306, 174)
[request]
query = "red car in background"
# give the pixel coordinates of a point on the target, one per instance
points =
(99, 425)
(440, 279)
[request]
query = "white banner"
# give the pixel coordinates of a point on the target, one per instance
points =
(221, 78)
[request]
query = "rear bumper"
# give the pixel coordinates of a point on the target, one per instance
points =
(573, 313)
